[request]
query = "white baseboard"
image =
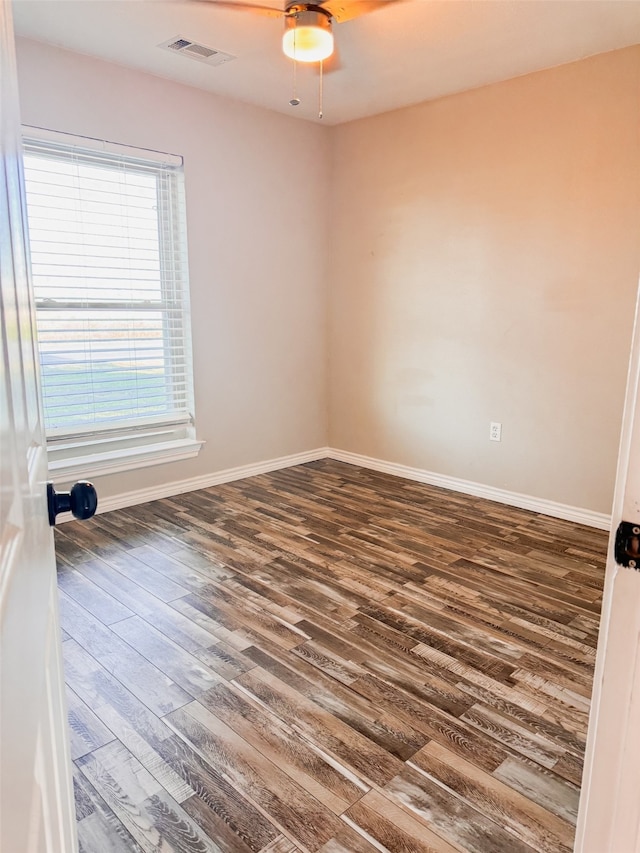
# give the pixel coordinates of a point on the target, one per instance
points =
(468, 487)
(178, 487)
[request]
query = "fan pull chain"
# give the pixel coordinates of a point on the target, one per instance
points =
(295, 100)
(320, 90)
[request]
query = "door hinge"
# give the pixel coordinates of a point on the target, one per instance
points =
(627, 545)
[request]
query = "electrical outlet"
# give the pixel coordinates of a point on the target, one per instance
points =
(495, 431)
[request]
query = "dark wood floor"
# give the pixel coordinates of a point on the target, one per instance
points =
(328, 659)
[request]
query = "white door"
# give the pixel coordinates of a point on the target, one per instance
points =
(609, 816)
(36, 798)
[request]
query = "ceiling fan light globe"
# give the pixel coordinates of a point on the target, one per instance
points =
(307, 36)
(307, 44)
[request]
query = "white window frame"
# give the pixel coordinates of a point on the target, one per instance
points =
(111, 449)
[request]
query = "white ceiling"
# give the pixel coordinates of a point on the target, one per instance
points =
(407, 52)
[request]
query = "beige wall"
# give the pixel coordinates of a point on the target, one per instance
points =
(481, 255)
(485, 259)
(257, 249)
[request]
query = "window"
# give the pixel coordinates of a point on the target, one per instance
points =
(108, 253)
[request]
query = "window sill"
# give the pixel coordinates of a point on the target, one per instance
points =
(88, 464)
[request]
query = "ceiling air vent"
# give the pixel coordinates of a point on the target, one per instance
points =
(193, 50)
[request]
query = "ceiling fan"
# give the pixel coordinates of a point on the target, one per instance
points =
(308, 35)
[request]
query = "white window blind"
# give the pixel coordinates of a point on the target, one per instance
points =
(108, 253)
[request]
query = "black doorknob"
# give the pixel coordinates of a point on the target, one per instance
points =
(82, 501)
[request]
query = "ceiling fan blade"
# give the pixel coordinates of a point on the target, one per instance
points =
(256, 8)
(346, 10)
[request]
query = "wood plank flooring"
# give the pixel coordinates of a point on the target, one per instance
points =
(328, 659)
